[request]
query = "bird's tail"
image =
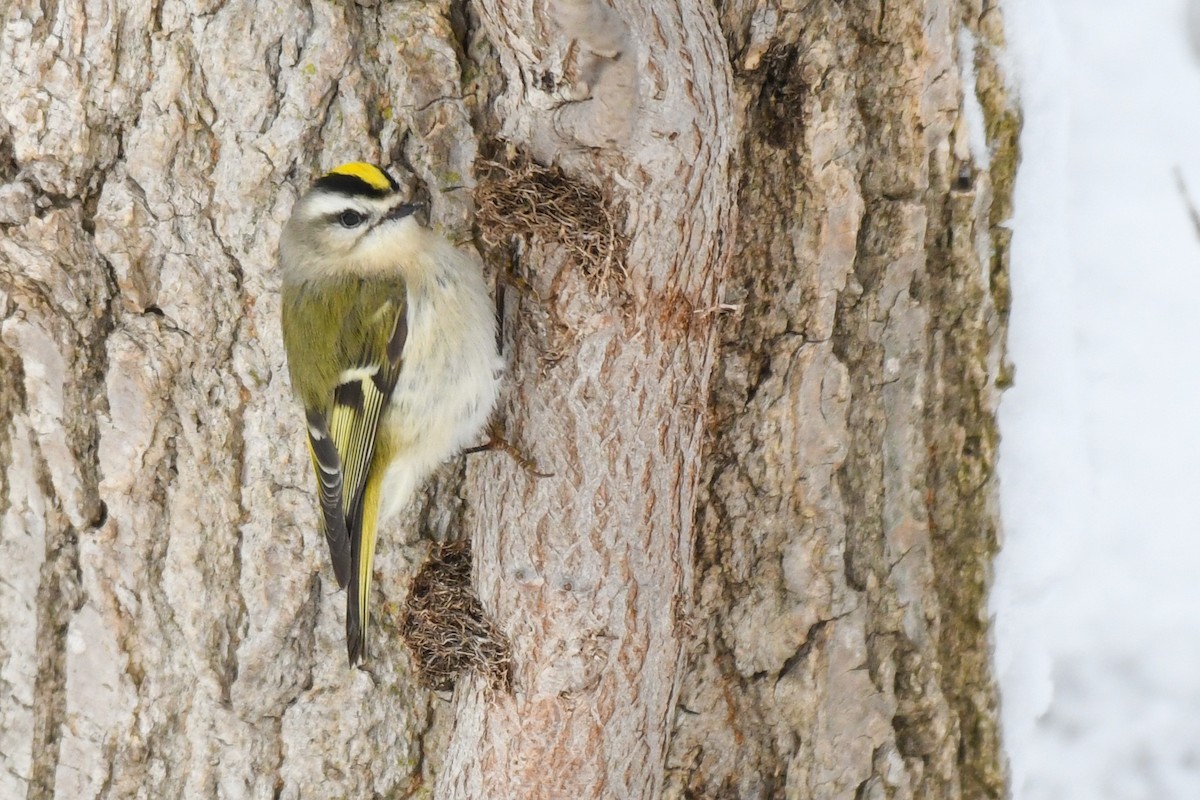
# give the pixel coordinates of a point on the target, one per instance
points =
(362, 554)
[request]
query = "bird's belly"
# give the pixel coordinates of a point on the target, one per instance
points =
(443, 397)
(436, 415)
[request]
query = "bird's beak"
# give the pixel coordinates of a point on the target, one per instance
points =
(403, 210)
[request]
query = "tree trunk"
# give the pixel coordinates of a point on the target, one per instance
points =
(752, 274)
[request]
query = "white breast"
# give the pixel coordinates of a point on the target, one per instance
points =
(448, 381)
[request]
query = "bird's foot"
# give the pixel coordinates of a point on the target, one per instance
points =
(497, 442)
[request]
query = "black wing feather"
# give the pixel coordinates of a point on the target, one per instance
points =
(328, 467)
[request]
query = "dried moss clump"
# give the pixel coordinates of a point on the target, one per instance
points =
(445, 627)
(517, 197)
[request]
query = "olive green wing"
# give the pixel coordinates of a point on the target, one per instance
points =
(345, 341)
(359, 403)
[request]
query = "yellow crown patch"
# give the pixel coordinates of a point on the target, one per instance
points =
(369, 174)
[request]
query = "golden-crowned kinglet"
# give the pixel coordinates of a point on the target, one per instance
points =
(391, 346)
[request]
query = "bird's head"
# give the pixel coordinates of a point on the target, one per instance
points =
(354, 217)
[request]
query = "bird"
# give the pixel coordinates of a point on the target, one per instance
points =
(390, 338)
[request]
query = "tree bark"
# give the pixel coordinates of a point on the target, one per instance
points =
(756, 272)
(849, 515)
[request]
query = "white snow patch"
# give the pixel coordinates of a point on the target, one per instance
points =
(1096, 594)
(972, 110)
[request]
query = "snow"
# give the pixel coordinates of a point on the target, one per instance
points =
(972, 109)
(1097, 590)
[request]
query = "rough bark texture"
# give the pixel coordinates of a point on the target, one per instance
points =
(759, 568)
(849, 517)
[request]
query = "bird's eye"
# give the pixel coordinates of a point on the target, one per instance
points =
(350, 219)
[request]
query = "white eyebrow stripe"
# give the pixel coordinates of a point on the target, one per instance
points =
(322, 205)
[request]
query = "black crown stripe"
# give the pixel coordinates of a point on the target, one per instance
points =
(353, 186)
